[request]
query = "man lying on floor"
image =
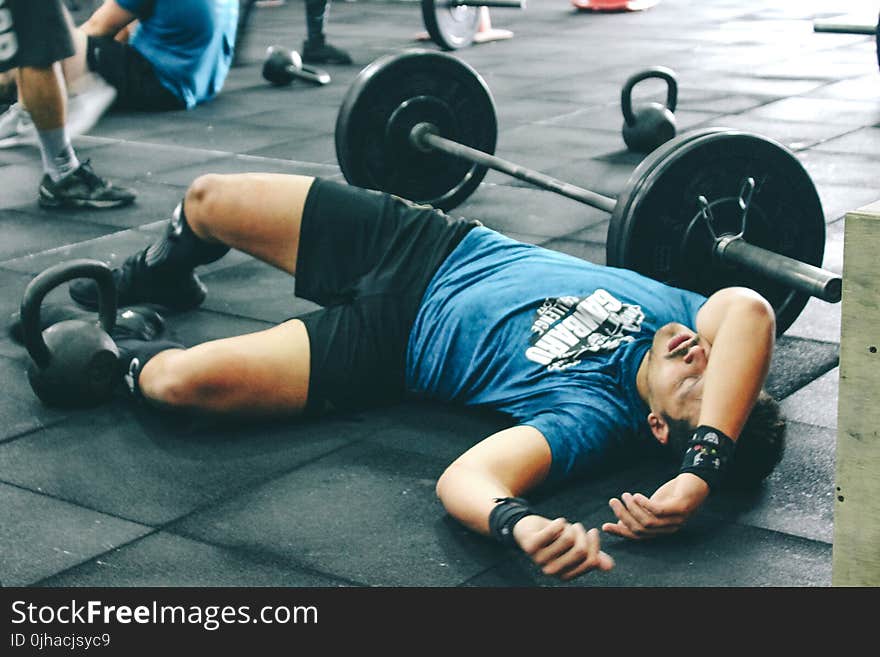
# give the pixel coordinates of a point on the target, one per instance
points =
(587, 360)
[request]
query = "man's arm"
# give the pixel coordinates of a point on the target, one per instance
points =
(740, 326)
(107, 20)
(509, 464)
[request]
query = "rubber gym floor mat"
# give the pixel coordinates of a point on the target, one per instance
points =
(510, 209)
(816, 402)
(301, 505)
(257, 290)
(40, 535)
(144, 161)
(366, 513)
(246, 164)
(160, 558)
(108, 244)
(20, 410)
(798, 497)
(796, 362)
(26, 233)
(153, 469)
(708, 554)
(154, 202)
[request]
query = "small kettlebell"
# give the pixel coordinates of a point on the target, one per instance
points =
(653, 124)
(283, 66)
(74, 362)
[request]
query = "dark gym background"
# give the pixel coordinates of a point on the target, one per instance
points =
(120, 497)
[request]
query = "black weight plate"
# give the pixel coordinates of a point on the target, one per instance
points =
(615, 242)
(654, 228)
(450, 26)
(393, 94)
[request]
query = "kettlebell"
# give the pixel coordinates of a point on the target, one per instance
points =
(650, 125)
(74, 362)
(283, 66)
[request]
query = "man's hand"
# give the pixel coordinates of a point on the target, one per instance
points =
(664, 513)
(561, 549)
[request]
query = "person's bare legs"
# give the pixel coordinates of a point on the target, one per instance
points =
(259, 373)
(263, 373)
(258, 213)
(76, 66)
(43, 93)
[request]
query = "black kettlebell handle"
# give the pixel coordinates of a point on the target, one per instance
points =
(47, 281)
(656, 72)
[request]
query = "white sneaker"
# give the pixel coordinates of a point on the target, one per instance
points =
(87, 102)
(16, 127)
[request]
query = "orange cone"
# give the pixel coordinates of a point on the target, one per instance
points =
(614, 5)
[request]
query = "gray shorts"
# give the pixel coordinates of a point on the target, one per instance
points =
(34, 33)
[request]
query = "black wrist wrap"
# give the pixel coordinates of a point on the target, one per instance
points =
(708, 455)
(507, 512)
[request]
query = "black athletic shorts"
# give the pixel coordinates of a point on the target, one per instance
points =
(34, 33)
(367, 257)
(137, 86)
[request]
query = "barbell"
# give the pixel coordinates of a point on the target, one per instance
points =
(711, 208)
(453, 24)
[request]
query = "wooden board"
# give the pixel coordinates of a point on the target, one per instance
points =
(856, 550)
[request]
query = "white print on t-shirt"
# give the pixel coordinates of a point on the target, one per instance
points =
(8, 40)
(569, 327)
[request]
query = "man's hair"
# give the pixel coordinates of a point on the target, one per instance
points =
(758, 449)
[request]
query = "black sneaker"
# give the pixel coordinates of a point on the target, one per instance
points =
(83, 189)
(138, 323)
(135, 284)
(139, 335)
(321, 52)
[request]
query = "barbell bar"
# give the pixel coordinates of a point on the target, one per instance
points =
(422, 125)
(498, 4)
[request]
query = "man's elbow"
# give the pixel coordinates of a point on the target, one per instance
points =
(756, 309)
(443, 483)
(95, 27)
(108, 20)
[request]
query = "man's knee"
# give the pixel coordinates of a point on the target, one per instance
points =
(203, 201)
(168, 380)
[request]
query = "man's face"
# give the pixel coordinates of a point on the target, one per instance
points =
(674, 372)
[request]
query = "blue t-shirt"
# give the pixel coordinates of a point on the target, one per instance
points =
(189, 43)
(551, 340)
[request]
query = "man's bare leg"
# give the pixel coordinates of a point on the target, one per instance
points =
(43, 93)
(260, 373)
(76, 66)
(263, 373)
(258, 213)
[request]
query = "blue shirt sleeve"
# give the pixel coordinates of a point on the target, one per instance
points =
(139, 8)
(581, 438)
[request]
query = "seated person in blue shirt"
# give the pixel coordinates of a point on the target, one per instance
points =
(588, 361)
(158, 54)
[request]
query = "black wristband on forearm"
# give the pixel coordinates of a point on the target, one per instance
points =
(708, 455)
(507, 512)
